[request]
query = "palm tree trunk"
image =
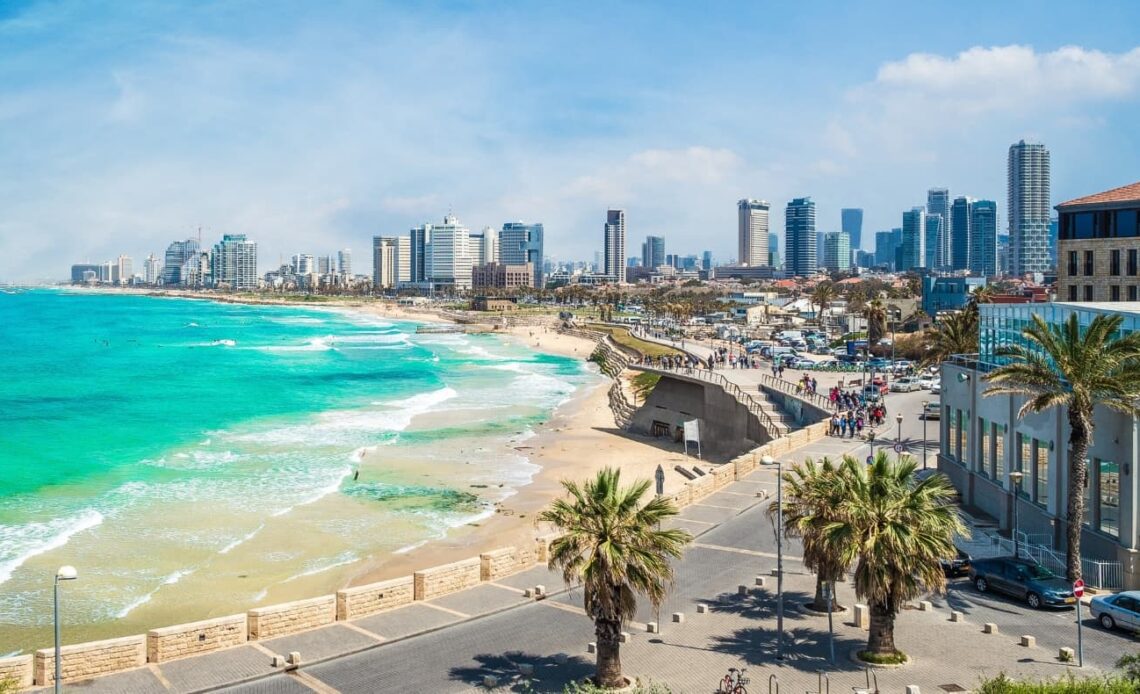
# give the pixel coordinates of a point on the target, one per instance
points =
(881, 639)
(608, 633)
(1080, 432)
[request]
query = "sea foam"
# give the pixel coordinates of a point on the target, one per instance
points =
(32, 539)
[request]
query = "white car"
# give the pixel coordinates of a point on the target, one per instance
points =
(905, 385)
(926, 382)
(936, 387)
(803, 364)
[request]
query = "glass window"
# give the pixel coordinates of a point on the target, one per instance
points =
(1088, 292)
(964, 437)
(1114, 262)
(1108, 475)
(1072, 263)
(1132, 262)
(999, 454)
(1104, 224)
(1072, 292)
(1126, 223)
(1024, 461)
(984, 440)
(1041, 475)
(1114, 293)
(955, 427)
(1088, 263)
(1083, 225)
(1132, 292)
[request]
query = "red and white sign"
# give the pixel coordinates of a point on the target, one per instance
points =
(1079, 587)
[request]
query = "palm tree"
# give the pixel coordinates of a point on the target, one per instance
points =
(1061, 366)
(614, 547)
(895, 528)
(813, 494)
(822, 296)
(956, 334)
(876, 315)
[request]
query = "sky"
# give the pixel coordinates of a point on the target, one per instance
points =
(313, 126)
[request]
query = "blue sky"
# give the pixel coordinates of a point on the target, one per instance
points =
(313, 126)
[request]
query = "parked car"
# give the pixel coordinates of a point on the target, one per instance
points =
(956, 566)
(1121, 610)
(1023, 579)
(872, 393)
(932, 410)
(926, 382)
(936, 387)
(879, 363)
(905, 385)
(801, 363)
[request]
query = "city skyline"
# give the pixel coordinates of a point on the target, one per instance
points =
(321, 128)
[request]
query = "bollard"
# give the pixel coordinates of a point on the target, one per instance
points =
(957, 616)
(651, 628)
(862, 617)
(775, 572)
(760, 581)
(526, 669)
(294, 657)
(703, 608)
(528, 593)
(1066, 655)
(490, 681)
(679, 617)
(1028, 641)
(925, 606)
(740, 590)
(278, 661)
(592, 647)
(624, 638)
(912, 689)
(540, 590)
(989, 628)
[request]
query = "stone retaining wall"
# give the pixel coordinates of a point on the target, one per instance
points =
(505, 561)
(17, 669)
(449, 578)
(182, 640)
(86, 660)
(362, 601)
(291, 617)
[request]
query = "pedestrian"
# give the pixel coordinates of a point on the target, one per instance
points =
(842, 427)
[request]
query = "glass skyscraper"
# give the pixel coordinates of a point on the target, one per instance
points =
(799, 233)
(851, 223)
(983, 238)
(1029, 211)
(614, 244)
(752, 232)
(961, 213)
(520, 244)
(913, 248)
(938, 252)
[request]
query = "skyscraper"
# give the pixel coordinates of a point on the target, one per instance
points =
(961, 217)
(934, 235)
(1028, 208)
(836, 251)
(884, 248)
(707, 260)
(913, 240)
(178, 254)
(418, 240)
(774, 249)
(799, 233)
(485, 246)
(153, 270)
(938, 203)
(983, 238)
(385, 261)
(653, 252)
(615, 244)
(344, 261)
(234, 262)
(851, 223)
(520, 244)
(124, 269)
(303, 264)
(448, 254)
(752, 232)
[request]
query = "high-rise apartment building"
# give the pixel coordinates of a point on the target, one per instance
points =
(178, 255)
(344, 261)
(152, 269)
(124, 269)
(913, 248)
(418, 240)
(403, 259)
(983, 259)
(304, 264)
(836, 251)
(325, 265)
(520, 244)
(234, 263)
(385, 262)
(615, 244)
(485, 246)
(707, 259)
(653, 252)
(1028, 208)
(851, 223)
(799, 234)
(934, 235)
(961, 217)
(938, 238)
(448, 254)
(752, 233)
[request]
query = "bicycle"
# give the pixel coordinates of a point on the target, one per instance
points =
(733, 682)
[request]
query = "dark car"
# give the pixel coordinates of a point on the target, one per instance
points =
(1023, 579)
(958, 566)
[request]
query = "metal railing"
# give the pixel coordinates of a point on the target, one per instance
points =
(1106, 575)
(774, 429)
(789, 388)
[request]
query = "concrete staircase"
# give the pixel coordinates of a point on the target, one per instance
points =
(782, 422)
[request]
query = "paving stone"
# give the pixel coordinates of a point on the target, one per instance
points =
(401, 622)
(537, 575)
(216, 669)
(321, 643)
(137, 681)
(481, 600)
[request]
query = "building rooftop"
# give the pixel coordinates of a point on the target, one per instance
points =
(1128, 193)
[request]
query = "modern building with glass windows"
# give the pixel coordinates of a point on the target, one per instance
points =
(836, 251)
(983, 256)
(851, 223)
(913, 249)
(938, 240)
(613, 245)
(752, 232)
(961, 214)
(1028, 178)
(1098, 244)
(983, 441)
(800, 238)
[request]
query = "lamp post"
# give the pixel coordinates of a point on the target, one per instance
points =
(924, 404)
(65, 573)
(898, 420)
(767, 460)
(1016, 476)
(871, 440)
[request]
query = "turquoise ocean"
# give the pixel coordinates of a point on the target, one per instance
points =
(194, 458)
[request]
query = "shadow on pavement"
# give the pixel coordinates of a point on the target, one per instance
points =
(759, 603)
(805, 649)
(549, 675)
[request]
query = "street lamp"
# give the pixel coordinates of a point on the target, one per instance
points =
(924, 404)
(898, 420)
(1016, 476)
(65, 573)
(871, 440)
(767, 460)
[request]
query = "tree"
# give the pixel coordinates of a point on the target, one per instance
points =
(614, 547)
(895, 528)
(822, 296)
(876, 315)
(813, 495)
(956, 334)
(1063, 366)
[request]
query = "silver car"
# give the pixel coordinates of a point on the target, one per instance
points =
(1121, 610)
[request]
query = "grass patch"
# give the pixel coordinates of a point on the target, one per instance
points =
(644, 383)
(622, 337)
(1062, 685)
(896, 658)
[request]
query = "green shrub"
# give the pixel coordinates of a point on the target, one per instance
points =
(1063, 685)
(589, 688)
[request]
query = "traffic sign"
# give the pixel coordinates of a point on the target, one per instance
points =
(1079, 587)
(899, 448)
(869, 459)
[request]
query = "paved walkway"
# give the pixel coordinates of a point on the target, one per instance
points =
(450, 644)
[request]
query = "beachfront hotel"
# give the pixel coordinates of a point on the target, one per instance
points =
(983, 441)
